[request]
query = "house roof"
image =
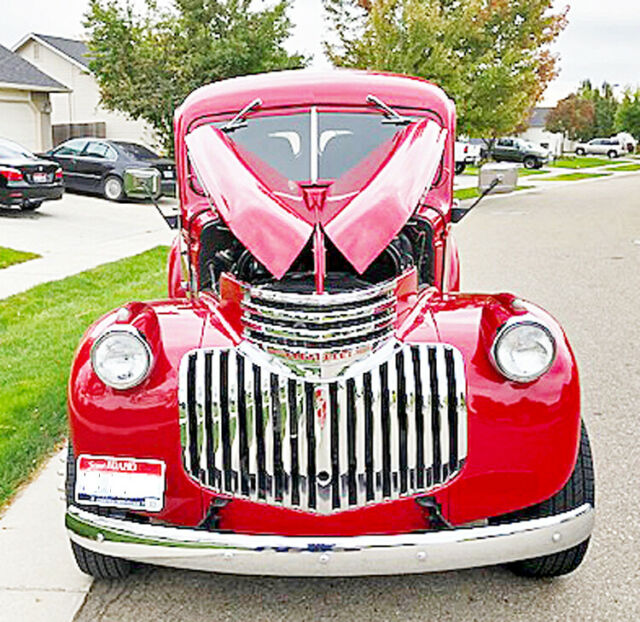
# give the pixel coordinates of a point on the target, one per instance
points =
(538, 117)
(73, 48)
(19, 73)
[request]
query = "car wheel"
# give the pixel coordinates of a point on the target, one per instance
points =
(580, 151)
(29, 206)
(112, 189)
(530, 162)
(94, 564)
(580, 489)
(460, 166)
(612, 154)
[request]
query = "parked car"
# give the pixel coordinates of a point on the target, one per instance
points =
(520, 150)
(98, 165)
(612, 147)
(26, 180)
(316, 397)
(465, 153)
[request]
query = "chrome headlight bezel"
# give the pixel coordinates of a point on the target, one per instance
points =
(130, 332)
(506, 329)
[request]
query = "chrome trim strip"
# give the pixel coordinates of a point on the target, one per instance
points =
(327, 555)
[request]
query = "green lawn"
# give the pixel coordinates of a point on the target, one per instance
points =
(576, 176)
(39, 330)
(524, 172)
(8, 257)
(581, 162)
(471, 193)
(624, 167)
(471, 170)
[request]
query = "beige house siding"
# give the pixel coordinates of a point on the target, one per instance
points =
(82, 104)
(25, 118)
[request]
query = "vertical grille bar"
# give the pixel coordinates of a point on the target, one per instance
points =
(351, 417)
(378, 432)
(192, 424)
(243, 428)
(443, 414)
(267, 409)
(420, 407)
(311, 443)
(224, 423)
(462, 407)
(276, 422)
(234, 437)
(370, 481)
(259, 419)
(403, 483)
(208, 419)
(335, 445)
(410, 404)
(293, 437)
(435, 417)
(386, 429)
(452, 410)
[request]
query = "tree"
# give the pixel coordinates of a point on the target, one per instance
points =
(605, 108)
(147, 63)
(491, 56)
(628, 117)
(574, 117)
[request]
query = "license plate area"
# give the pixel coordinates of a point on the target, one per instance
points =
(126, 483)
(40, 178)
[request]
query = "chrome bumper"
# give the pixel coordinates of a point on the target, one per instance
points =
(329, 556)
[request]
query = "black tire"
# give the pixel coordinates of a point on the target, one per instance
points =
(460, 166)
(30, 206)
(580, 489)
(530, 162)
(94, 564)
(612, 154)
(113, 188)
(580, 151)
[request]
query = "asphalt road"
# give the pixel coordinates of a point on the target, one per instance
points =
(575, 250)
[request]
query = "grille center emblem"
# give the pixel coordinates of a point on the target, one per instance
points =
(321, 404)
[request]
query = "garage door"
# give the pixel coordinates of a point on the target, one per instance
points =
(18, 123)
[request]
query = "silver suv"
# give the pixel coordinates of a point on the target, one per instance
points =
(613, 147)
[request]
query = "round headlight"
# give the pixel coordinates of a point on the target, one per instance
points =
(523, 351)
(121, 358)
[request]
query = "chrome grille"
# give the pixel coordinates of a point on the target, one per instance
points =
(293, 321)
(252, 429)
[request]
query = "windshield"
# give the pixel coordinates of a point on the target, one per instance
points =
(9, 149)
(314, 145)
(137, 151)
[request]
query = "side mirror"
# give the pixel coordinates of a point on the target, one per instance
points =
(497, 177)
(142, 183)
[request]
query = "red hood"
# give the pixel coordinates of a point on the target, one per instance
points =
(275, 230)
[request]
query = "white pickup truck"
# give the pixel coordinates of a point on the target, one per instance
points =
(466, 153)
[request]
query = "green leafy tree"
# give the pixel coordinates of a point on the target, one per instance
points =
(605, 108)
(628, 116)
(491, 56)
(573, 117)
(147, 62)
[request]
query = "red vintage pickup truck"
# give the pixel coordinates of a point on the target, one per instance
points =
(316, 396)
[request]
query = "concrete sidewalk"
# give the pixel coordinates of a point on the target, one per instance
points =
(39, 581)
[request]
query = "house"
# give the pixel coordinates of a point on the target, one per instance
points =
(78, 112)
(25, 102)
(536, 133)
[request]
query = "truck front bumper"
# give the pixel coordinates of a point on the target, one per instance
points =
(329, 556)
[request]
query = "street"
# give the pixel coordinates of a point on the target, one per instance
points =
(575, 250)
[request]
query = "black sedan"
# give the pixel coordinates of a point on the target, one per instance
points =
(98, 165)
(26, 180)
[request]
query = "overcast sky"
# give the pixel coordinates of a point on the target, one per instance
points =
(602, 41)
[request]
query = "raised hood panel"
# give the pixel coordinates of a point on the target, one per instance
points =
(275, 230)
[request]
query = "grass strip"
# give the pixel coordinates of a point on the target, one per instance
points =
(471, 193)
(576, 176)
(525, 172)
(9, 257)
(581, 162)
(39, 331)
(625, 167)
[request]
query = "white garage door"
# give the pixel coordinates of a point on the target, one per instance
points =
(18, 123)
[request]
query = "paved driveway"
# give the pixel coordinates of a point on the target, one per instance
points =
(76, 233)
(576, 250)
